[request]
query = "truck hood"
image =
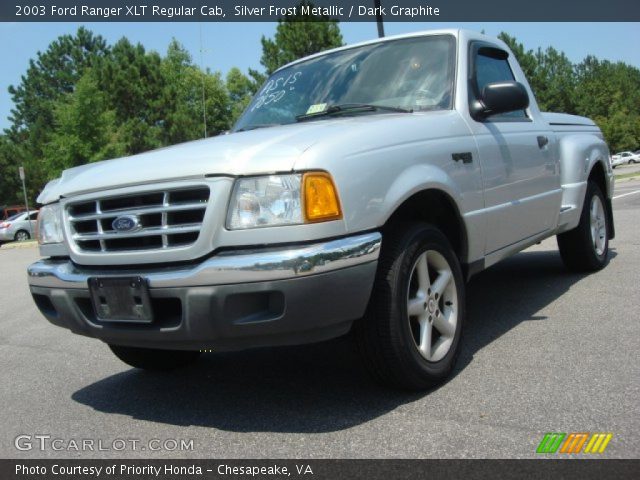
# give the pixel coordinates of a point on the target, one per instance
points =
(257, 151)
(266, 150)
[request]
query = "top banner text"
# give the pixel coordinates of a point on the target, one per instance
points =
(344, 11)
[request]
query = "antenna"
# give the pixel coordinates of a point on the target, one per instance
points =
(204, 103)
(378, 10)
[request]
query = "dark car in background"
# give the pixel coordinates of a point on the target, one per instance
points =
(7, 211)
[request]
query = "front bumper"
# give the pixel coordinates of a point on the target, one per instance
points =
(6, 235)
(233, 300)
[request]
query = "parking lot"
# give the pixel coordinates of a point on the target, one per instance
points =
(544, 351)
(627, 169)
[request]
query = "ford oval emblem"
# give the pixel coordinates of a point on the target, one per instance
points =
(126, 223)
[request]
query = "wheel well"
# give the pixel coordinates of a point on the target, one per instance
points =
(437, 208)
(597, 174)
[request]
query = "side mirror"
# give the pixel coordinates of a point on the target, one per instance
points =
(500, 97)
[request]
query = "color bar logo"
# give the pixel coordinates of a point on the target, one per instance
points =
(574, 442)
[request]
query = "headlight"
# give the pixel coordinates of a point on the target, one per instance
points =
(268, 201)
(50, 224)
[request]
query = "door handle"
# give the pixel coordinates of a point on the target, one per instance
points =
(466, 157)
(542, 141)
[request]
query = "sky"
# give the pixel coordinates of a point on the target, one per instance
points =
(225, 45)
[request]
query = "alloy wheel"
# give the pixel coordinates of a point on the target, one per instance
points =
(432, 305)
(22, 236)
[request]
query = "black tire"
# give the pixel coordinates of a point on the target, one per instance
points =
(384, 335)
(21, 236)
(577, 247)
(154, 359)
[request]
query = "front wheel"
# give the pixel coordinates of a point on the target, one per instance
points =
(586, 247)
(22, 236)
(154, 359)
(410, 334)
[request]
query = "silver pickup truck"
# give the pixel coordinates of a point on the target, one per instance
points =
(358, 192)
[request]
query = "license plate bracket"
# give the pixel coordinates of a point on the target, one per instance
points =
(121, 299)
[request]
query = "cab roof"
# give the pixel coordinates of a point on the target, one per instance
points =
(458, 33)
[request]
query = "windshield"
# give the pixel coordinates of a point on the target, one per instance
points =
(410, 73)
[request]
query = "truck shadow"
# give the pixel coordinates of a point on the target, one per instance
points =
(321, 387)
(512, 292)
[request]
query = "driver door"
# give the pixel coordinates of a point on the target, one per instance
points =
(518, 159)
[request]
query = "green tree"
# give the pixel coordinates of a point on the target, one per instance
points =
(526, 58)
(82, 101)
(133, 82)
(607, 92)
(10, 185)
(216, 100)
(185, 88)
(84, 129)
(549, 72)
(241, 89)
(604, 88)
(621, 129)
(51, 75)
(180, 119)
(554, 81)
(298, 36)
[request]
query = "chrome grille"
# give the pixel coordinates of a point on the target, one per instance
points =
(164, 219)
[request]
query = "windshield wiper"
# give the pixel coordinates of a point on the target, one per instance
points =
(256, 126)
(350, 108)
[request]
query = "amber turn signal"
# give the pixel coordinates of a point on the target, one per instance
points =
(320, 198)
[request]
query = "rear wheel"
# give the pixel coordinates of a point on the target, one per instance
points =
(154, 359)
(586, 247)
(21, 236)
(410, 335)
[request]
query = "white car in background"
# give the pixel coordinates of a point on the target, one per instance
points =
(19, 228)
(623, 158)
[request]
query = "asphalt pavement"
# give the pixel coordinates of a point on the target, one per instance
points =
(544, 351)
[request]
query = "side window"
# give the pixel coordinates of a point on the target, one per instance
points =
(491, 70)
(33, 216)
